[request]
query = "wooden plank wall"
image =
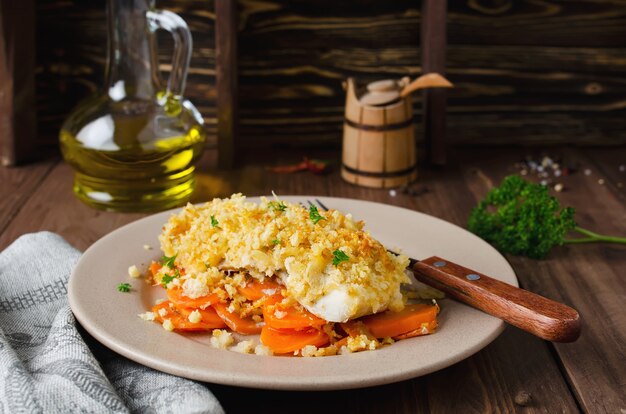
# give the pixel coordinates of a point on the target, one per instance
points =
(527, 72)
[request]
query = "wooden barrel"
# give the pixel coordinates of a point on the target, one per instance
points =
(378, 142)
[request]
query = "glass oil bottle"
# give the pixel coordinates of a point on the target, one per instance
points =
(134, 144)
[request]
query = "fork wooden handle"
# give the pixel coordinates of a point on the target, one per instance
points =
(533, 313)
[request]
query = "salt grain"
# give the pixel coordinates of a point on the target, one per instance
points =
(587, 171)
(558, 187)
(392, 193)
(601, 181)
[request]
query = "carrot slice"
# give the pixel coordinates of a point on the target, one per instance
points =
(280, 317)
(209, 320)
(180, 317)
(355, 328)
(255, 289)
(411, 318)
(343, 341)
(272, 300)
(163, 310)
(283, 341)
(427, 328)
(246, 326)
(155, 267)
(177, 297)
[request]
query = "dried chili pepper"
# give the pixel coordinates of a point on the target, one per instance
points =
(314, 166)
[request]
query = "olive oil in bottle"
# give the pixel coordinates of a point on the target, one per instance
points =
(122, 164)
(134, 144)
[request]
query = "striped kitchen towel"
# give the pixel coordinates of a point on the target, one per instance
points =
(45, 364)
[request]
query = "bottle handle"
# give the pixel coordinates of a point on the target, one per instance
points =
(173, 23)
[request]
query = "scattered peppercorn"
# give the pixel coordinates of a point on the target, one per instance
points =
(523, 398)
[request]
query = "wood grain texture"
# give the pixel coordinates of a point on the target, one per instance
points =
(433, 49)
(18, 185)
(53, 207)
(526, 72)
(494, 380)
(226, 79)
(526, 310)
(489, 381)
(587, 277)
(609, 165)
(527, 22)
(70, 67)
(18, 127)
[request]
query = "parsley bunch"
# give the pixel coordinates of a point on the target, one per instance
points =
(521, 218)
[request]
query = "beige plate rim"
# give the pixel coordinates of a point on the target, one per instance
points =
(111, 317)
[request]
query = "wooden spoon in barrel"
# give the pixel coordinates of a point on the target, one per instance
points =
(533, 313)
(388, 91)
(429, 80)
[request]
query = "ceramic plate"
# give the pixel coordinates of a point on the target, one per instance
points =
(111, 316)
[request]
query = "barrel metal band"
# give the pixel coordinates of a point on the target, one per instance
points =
(379, 128)
(390, 174)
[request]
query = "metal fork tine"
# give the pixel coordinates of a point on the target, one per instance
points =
(321, 204)
(310, 203)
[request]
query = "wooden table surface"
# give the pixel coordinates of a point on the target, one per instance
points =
(515, 373)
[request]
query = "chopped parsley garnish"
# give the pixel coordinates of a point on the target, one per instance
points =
(338, 257)
(277, 206)
(214, 222)
(123, 287)
(167, 279)
(276, 241)
(315, 215)
(169, 261)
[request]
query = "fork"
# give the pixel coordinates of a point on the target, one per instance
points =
(526, 310)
